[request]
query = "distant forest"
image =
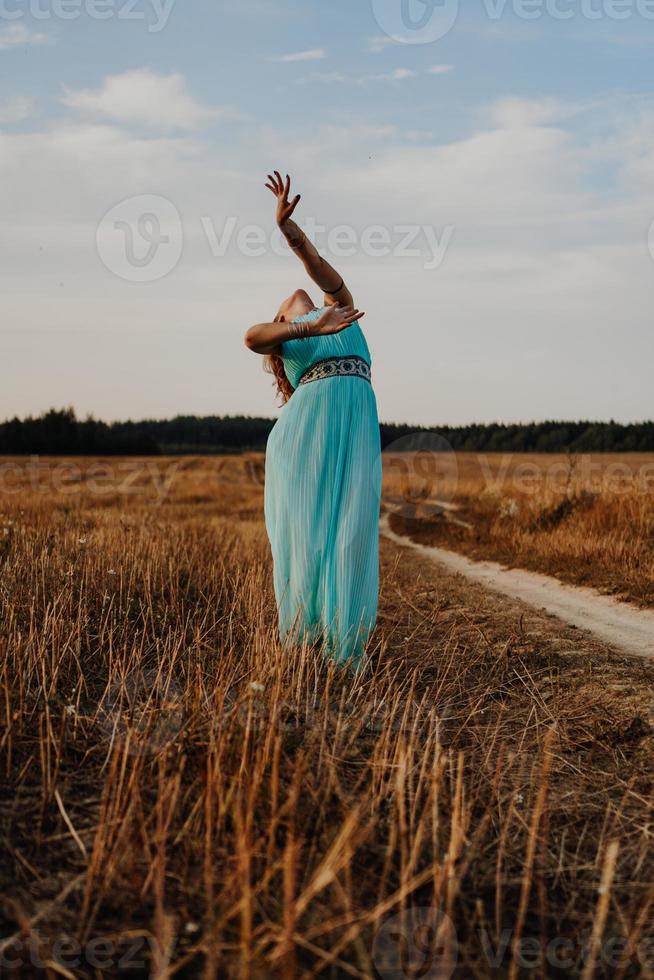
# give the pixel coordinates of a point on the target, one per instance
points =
(60, 432)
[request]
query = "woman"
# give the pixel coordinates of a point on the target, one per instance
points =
(323, 459)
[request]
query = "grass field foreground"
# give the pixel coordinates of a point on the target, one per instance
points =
(179, 797)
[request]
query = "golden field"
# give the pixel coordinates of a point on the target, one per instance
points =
(180, 797)
(586, 519)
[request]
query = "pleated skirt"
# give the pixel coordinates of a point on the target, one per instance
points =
(322, 499)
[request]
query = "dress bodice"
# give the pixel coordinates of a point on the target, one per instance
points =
(300, 354)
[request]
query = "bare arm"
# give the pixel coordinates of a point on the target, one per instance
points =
(265, 338)
(323, 274)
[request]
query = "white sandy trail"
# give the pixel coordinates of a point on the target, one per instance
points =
(622, 626)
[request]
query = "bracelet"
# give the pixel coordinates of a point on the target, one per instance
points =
(298, 330)
(332, 292)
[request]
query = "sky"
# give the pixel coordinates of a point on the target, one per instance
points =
(482, 174)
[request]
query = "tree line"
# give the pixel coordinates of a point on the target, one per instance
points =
(60, 432)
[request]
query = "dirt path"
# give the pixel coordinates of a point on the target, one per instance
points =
(622, 626)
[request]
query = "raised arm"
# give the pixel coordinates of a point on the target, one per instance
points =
(323, 274)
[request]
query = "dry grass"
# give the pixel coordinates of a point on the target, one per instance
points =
(587, 519)
(175, 785)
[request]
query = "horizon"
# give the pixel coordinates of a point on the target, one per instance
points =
(82, 417)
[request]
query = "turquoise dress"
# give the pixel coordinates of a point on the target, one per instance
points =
(322, 498)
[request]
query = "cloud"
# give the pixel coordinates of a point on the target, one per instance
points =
(397, 75)
(143, 97)
(378, 44)
(16, 35)
(16, 110)
(513, 113)
(340, 134)
(418, 135)
(332, 77)
(327, 77)
(313, 54)
(490, 183)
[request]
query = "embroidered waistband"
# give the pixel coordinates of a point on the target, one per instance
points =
(334, 367)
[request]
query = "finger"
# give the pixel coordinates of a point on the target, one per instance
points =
(287, 187)
(280, 182)
(272, 189)
(294, 203)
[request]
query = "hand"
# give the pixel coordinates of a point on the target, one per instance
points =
(334, 319)
(281, 190)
